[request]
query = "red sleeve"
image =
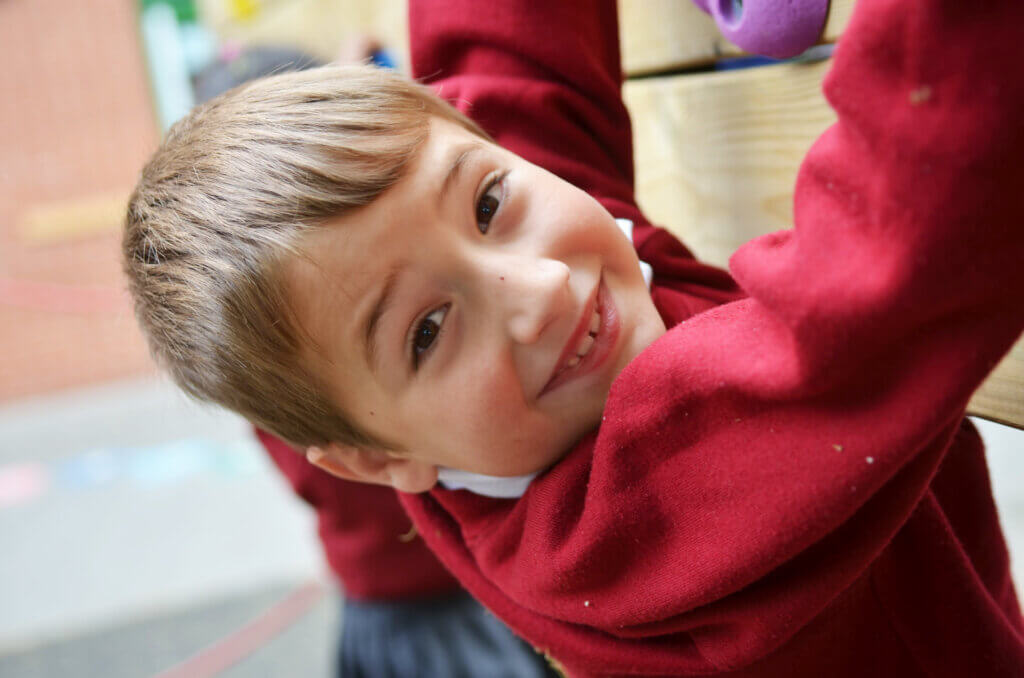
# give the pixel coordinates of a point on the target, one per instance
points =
(365, 534)
(756, 459)
(543, 78)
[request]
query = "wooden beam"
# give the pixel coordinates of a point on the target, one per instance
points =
(716, 154)
(1001, 397)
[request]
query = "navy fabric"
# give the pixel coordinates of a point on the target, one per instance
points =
(451, 637)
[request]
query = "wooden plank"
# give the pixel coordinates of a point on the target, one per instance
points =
(1001, 397)
(716, 154)
(716, 157)
(670, 35)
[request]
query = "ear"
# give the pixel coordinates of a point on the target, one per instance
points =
(373, 466)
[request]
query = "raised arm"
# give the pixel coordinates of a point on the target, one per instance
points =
(543, 78)
(756, 461)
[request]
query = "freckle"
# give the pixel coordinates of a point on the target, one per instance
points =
(501, 277)
(837, 447)
(371, 413)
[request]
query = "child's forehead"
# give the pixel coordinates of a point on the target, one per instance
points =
(324, 281)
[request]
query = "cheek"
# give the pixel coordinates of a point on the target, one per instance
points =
(595, 231)
(565, 211)
(475, 406)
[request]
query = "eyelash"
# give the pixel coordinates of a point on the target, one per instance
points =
(417, 354)
(493, 180)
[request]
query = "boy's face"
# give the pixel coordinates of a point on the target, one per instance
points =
(450, 312)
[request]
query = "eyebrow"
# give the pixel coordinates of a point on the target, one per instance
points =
(451, 177)
(379, 308)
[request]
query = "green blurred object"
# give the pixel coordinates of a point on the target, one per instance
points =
(185, 10)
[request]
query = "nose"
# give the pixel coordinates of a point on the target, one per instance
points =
(531, 293)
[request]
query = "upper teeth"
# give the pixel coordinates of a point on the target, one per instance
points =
(587, 342)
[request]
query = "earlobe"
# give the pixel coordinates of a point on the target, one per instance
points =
(373, 466)
(412, 476)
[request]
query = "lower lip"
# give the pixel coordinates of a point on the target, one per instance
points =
(604, 343)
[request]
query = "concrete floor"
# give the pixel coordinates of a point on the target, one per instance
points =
(129, 507)
(139, 527)
(170, 644)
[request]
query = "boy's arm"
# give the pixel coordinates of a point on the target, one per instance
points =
(543, 78)
(758, 457)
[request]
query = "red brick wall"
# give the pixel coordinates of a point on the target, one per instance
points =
(76, 125)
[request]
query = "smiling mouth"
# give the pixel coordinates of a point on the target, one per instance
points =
(590, 343)
(586, 343)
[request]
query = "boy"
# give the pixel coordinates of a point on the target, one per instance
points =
(403, 614)
(780, 485)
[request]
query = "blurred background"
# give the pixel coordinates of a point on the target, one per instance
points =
(142, 534)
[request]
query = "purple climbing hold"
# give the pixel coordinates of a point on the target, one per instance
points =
(775, 28)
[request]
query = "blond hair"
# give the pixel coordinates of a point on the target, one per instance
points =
(222, 205)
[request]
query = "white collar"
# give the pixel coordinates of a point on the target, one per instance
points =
(626, 226)
(489, 486)
(503, 487)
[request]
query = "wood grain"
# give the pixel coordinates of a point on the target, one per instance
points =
(716, 154)
(1001, 397)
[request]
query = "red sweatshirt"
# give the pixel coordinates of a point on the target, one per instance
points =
(783, 484)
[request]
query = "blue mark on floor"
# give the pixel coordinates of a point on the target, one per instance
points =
(142, 467)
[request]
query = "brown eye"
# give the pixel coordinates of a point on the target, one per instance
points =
(488, 205)
(426, 332)
(485, 210)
